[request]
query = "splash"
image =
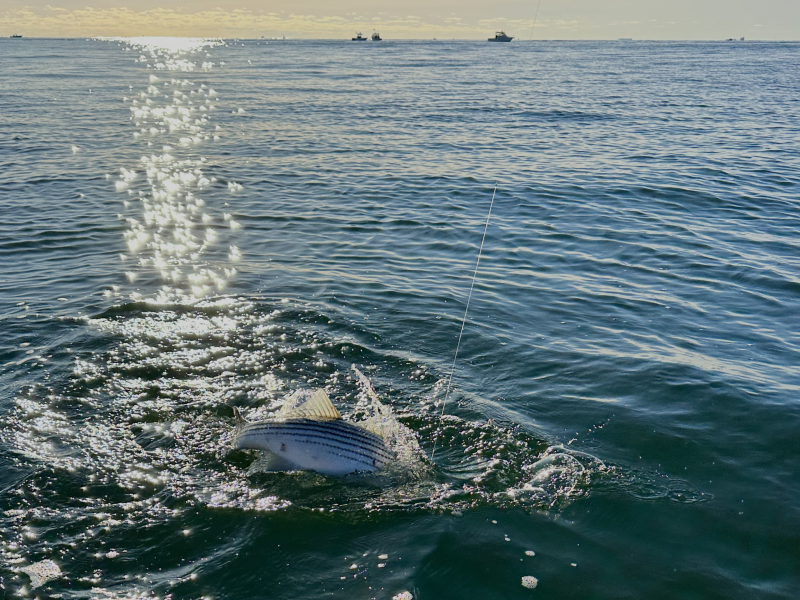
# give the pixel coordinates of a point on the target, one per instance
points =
(556, 476)
(380, 418)
(139, 434)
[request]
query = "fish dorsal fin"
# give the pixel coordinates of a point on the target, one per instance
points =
(316, 406)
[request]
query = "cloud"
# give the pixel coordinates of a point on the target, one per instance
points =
(236, 22)
(246, 19)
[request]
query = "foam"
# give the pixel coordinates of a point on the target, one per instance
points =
(42, 572)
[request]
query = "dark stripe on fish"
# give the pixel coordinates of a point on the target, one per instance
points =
(341, 429)
(341, 436)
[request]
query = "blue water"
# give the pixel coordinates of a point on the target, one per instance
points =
(179, 238)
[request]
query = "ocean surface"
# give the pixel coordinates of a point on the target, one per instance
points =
(187, 227)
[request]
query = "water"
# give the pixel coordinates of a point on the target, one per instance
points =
(624, 415)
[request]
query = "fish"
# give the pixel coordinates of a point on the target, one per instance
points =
(312, 436)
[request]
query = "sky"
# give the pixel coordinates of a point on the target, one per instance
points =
(409, 19)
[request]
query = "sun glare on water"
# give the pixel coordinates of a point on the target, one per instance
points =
(171, 45)
(171, 227)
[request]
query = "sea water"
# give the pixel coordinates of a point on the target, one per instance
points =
(192, 225)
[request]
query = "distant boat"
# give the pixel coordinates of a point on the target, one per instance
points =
(359, 38)
(376, 37)
(501, 36)
(625, 39)
(16, 36)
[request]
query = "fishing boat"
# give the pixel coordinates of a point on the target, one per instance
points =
(501, 36)
(16, 36)
(359, 38)
(376, 37)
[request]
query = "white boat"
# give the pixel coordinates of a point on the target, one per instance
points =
(501, 36)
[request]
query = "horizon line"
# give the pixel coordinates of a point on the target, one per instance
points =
(344, 39)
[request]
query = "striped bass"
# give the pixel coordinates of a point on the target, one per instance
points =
(313, 436)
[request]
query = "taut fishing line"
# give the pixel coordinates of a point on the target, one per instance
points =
(536, 16)
(464, 320)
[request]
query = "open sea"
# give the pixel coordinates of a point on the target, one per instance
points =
(187, 227)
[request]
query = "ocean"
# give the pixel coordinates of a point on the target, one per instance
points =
(189, 226)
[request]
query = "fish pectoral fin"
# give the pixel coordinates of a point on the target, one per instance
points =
(272, 462)
(317, 406)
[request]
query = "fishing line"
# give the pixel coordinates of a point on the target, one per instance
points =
(464, 320)
(536, 16)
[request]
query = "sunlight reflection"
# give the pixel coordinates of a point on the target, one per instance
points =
(170, 231)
